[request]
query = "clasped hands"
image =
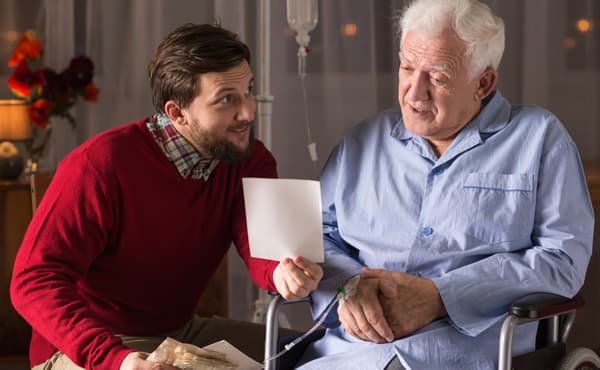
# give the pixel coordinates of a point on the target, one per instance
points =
(389, 305)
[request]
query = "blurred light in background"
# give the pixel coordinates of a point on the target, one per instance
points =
(569, 43)
(349, 29)
(583, 25)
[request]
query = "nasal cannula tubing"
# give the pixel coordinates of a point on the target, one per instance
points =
(344, 292)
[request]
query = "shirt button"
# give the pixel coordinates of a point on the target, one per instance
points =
(426, 231)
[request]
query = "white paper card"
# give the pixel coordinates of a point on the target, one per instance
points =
(284, 218)
(234, 355)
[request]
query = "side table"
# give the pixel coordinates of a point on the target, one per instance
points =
(15, 213)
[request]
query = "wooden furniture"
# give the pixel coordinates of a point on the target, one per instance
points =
(215, 301)
(16, 200)
(15, 213)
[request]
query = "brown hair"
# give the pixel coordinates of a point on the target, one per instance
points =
(187, 52)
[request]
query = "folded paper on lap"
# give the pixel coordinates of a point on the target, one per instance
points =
(217, 356)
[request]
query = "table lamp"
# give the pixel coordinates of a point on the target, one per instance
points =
(14, 126)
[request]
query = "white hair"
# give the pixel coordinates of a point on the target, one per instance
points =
(472, 21)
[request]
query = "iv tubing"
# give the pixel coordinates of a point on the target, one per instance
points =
(302, 75)
(322, 318)
(343, 292)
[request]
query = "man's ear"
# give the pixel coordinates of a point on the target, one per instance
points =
(487, 82)
(175, 113)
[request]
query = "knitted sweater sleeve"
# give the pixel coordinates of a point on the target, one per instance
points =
(262, 165)
(67, 232)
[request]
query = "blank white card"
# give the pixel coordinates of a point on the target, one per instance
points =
(284, 218)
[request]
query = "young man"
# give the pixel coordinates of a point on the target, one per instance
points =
(451, 207)
(137, 219)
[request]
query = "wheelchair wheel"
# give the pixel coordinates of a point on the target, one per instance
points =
(580, 359)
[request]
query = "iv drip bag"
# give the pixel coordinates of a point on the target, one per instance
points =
(302, 16)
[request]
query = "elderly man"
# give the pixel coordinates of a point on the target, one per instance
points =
(451, 207)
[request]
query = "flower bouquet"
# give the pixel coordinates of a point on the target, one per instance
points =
(46, 92)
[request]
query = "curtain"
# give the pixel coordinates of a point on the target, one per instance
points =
(352, 69)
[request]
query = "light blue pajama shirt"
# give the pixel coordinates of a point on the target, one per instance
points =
(504, 212)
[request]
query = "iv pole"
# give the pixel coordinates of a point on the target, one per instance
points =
(264, 101)
(264, 97)
(303, 21)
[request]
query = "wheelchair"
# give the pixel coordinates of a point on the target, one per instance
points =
(555, 314)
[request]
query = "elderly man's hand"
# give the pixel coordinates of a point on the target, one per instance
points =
(137, 361)
(408, 302)
(296, 278)
(362, 315)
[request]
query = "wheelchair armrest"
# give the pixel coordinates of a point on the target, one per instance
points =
(542, 305)
(556, 311)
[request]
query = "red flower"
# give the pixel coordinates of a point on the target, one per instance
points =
(28, 47)
(22, 81)
(54, 88)
(91, 92)
(80, 72)
(39, 112)
(46, 92)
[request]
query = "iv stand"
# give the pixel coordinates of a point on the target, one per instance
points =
(264, 97)
(264, 101)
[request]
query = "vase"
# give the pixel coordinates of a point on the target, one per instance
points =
(38, 147)
(56, 141)
(11, 161)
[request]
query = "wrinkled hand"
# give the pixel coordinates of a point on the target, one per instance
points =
(362, 314)
(136, 361)
(296, 278)
(408, 302)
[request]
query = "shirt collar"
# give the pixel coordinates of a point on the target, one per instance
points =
(178, 150)
(495, 115)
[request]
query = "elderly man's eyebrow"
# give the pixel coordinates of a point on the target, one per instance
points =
(435, 68)
(439, 68)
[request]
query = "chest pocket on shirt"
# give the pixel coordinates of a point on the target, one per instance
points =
(496, 207)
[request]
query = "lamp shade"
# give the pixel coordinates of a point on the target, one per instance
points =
(14, 120)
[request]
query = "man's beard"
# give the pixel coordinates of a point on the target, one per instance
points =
(218, 147)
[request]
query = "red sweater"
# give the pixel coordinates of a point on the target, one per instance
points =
(122, 244)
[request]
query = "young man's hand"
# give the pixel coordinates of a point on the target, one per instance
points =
(296, 278)
(137, 361)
